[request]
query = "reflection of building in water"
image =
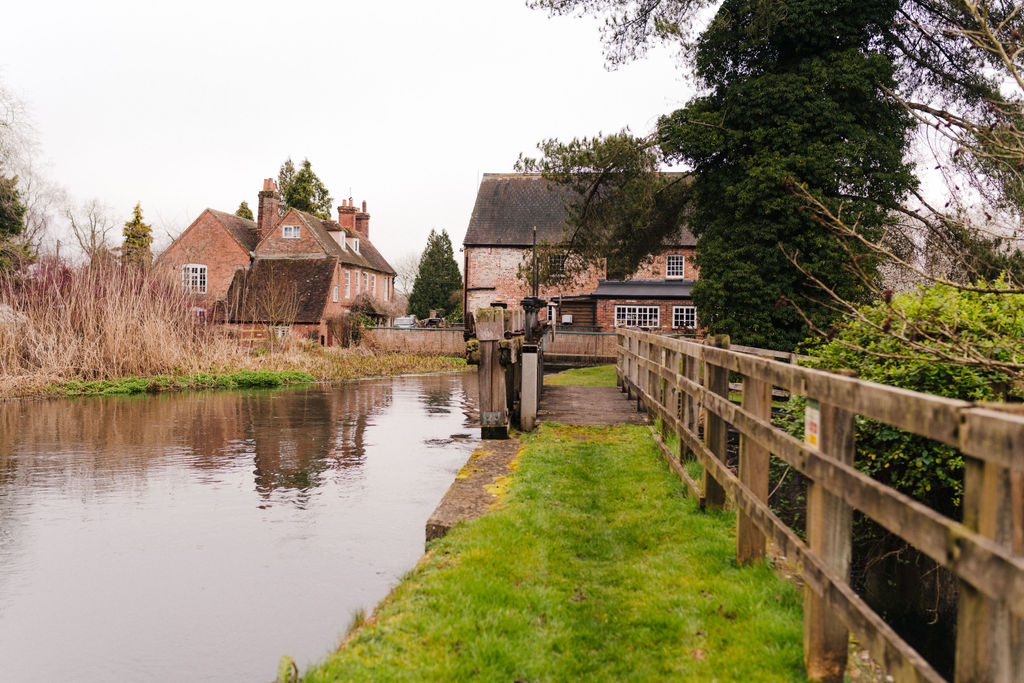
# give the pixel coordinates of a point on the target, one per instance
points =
(299, 436)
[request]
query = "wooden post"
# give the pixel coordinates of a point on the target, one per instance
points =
(989, 638)
(829, 530)
(490, 329)
(715, 435)
(757, 399)
(691, 370)
(531, 390)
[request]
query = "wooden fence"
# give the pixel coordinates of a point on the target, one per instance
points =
(569, 347)
(678, 380)
(420, 340)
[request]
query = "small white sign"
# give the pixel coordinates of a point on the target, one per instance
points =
(812, 423)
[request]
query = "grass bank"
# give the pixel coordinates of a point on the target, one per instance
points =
(598, 376)
(593, 567)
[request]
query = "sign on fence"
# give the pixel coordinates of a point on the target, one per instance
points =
(812, 423)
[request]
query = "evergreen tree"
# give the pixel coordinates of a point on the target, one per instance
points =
(301, 189)
(12, 210)
(138, 236)
(794, 104)
(438, 278)
(12, 224)
(243, 211)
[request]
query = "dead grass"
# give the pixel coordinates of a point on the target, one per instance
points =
(63, 324)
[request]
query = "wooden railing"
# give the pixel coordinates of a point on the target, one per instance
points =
(678, 380)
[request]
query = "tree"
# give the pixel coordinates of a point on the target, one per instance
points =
(12, 213)
(438, 277)
(91, 226)
(243, 211)
(797, 102)
(138, 236)
(303, 190)
(407, 267)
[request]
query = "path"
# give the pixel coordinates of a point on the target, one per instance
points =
(572, 405)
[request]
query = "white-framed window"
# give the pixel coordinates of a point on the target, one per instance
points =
(334, 293)
(279, 331)
(374, 281)
(193, 277)
(355, 244)
(366, 282)
(387, 289)
(675, 266)
(556, 264)
(552, 312)
(684, 317)
(290, 232)
(348, 284)
(637, 316)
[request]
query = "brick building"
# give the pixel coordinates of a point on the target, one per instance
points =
(288, 269)
(499, 241)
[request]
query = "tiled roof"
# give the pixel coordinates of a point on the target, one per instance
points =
(509, 205)
(368, 256)
(246, 232)
(274, 285)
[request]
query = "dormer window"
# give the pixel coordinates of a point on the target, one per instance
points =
(355, 244)
(290, 232)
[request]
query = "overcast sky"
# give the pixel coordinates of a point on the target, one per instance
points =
(404, 104)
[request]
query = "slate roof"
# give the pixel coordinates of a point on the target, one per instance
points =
(245, 232)
(307, 280)
(643, 289)
(509, 205)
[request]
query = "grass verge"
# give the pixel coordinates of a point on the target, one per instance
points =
(594, 567)
(599, 376)
(290, 365)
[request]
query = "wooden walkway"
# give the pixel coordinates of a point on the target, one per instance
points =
(587, 406)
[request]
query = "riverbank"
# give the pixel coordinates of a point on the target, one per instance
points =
(594, 566)
(297, 363)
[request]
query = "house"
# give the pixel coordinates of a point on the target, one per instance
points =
(288, 269)
(499, 240)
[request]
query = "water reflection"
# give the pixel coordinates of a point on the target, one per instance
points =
(174, 520)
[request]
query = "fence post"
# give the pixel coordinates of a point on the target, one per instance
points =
(716, 381)
(757, 400)
(989, 638)
(691, 409)
(530, 392)
(490, 329)
(829, 530)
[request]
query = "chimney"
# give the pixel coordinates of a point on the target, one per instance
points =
(346, 216)
(363, 222)
(270, 201)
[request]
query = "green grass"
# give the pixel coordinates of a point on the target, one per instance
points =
(242, 379)
(594, 568)
(599, 376)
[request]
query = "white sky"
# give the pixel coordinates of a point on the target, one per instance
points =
(188, 105)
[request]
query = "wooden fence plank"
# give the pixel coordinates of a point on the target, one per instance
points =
(829, 529)
(715, 434)
(757, 400)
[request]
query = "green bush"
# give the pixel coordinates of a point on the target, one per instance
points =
(933, 318)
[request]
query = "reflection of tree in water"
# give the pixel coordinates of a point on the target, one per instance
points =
(437, 399)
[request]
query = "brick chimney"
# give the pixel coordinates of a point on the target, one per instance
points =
(363, 222)
(347, 215)
(270, 201)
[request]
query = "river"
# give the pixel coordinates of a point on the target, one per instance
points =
(201, 536)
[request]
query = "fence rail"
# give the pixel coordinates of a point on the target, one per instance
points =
(678, 380)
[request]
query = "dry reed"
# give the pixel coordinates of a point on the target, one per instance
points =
(62, 323)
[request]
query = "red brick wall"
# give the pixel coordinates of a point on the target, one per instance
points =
(205, 242)
(606, 311)
(275, 244)
(497, 267)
